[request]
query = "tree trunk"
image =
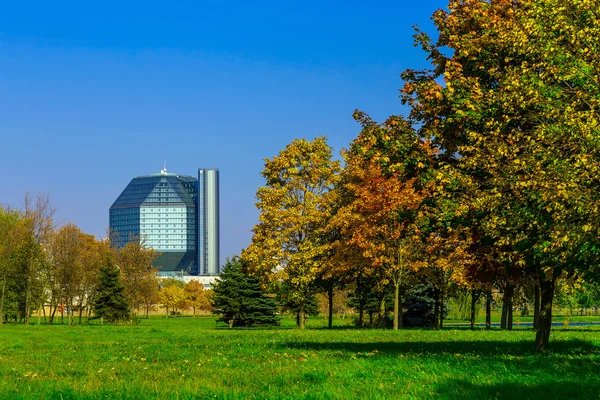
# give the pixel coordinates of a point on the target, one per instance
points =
(473, 305)
(300, 317)
(28, 297)
(361, 315)
(536, 304)
(381, 313)
(488, 310)
(509, 321)
(441, 326)
(361, 303)
(436, 313)
(52, 314)
(545, 321)
(400, 314)
(330, 300)
(69, 310)
(504, 312)
(2, 302)
(396, 301)
(506, 304)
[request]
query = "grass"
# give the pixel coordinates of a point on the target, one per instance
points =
(195, 358)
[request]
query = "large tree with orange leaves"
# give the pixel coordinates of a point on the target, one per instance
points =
(384, 192)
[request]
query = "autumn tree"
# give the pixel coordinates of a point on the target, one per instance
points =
(172, 297)
(135, 261)
(383, 176)
(290, 241)
(197, 296)
(92, 255)
(70, 250)
(148, 292)
(517, 113)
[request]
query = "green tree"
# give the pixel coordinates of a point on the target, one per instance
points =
(239, 299)
(9, 229)
(111, 303)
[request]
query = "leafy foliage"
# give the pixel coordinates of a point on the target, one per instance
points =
(290, 241)
(111, 303)
(239, 300)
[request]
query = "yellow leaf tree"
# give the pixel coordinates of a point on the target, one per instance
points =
(197, 296)
(172, 297)
(289, 242)
(513, 100)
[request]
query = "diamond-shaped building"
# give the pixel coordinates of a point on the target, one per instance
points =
(174, 214)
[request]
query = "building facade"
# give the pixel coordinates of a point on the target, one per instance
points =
(174, 214)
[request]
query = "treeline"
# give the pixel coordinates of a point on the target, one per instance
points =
(492, 182)
(58, 272)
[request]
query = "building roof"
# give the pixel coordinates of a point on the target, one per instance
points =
(156, 189)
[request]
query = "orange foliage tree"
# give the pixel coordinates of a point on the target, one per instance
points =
(383, 195)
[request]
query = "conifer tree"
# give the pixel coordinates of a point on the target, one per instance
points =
(111, 303)
(239, 299)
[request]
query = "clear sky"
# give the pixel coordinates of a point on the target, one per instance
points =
(95, 93)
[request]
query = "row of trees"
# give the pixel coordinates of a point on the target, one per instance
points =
(57, 270)
(175, 295)
(492, 181)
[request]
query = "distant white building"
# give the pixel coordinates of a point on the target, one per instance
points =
(207, 281)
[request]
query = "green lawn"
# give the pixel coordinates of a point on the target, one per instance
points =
(193, 358)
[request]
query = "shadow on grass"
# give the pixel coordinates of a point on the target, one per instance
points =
(513, 370)
(554, 386)
(478, 347)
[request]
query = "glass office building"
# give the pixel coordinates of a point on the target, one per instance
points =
(174, 214)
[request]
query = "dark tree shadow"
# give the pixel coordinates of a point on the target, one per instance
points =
(480, 347)
(570, 370)
(557, 387)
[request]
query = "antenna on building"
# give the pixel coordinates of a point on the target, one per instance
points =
(164, 170)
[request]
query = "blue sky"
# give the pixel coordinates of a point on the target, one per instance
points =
(93, 95)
